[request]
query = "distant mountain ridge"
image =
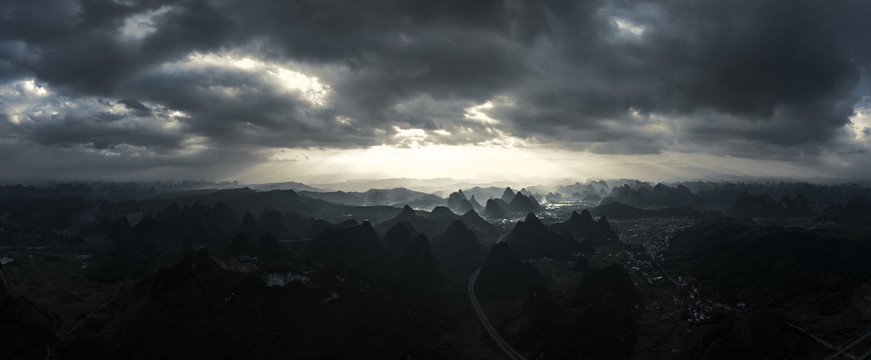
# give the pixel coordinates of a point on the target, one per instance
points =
(374, 197)
(286, 185)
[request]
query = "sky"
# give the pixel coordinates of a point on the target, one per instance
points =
(325, 91)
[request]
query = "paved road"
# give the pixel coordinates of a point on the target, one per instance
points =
(507, 349)
(844, 349)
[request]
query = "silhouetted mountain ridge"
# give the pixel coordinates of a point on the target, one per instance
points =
(530, 239)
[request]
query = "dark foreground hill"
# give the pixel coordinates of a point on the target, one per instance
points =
(342, 296)
(277, 283)
(604, 323)
(530, 239)
(598, 323)
(25, 329)
(739, 260)
(437, 221)
(358, 246)
(588, 231)
(196, 310)
(505, 276)
(752, 335)
(458, 249)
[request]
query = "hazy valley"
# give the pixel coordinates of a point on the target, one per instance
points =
(598, 270)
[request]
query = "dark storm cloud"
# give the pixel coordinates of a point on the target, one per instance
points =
(233, 107)
(780, 72)
(748, 78)
(69, 131)
(137, 107)
(34, 161)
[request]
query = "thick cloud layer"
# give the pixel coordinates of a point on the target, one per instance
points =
(150, 81)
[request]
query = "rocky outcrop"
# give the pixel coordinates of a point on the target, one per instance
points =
(586, 230)
(504, 276)
(523, 203)
(507, 195)
(458, 203)
(399, 237)
(417, 268)
(358, 246)
(458, 249)
(495, 209)
(530, 239)
(475, 204)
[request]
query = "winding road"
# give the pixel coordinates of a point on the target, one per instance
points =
(507, 349)
(843, 350)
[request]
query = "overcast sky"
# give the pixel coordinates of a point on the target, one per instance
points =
(317, 91)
